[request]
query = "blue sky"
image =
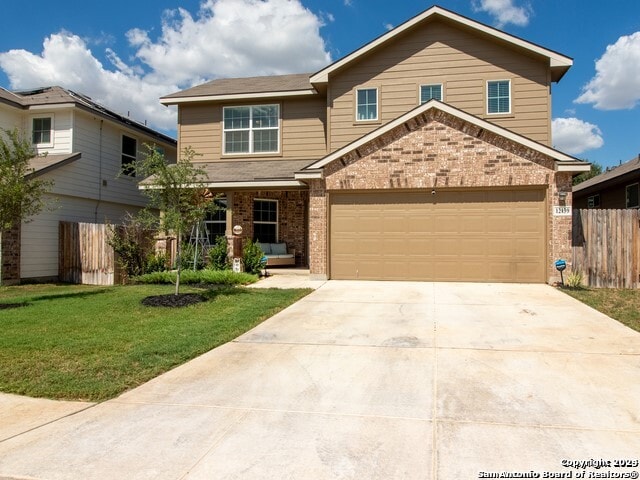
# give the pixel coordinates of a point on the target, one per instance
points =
(127, 54)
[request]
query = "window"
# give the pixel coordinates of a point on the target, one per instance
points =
(427, 92)
(633, 199)
(41, 131)
(265, 221)
(593, 201)
(216, 222)
(129, 155)
(253, 129)
(367, 104)
(499, 96)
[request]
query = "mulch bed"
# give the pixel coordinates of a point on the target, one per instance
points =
(171, 300)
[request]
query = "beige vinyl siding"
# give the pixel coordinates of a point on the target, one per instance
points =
(101, 161)
(62, 126)
(302, 129)
(39, 255)
(463, 62)
(11, 118)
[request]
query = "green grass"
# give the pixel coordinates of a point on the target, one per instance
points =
(92, 343)
(621, 304)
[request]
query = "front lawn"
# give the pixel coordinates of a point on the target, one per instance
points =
(89, 343)
(623, 305)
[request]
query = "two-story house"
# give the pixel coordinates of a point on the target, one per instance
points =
(423, 155)
(86, 147)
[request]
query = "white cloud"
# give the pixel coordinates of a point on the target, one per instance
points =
(616, 84)
(575, 136)
(503, 12)
(388, 26)
(226, 38)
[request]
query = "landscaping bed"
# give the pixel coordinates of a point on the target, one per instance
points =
(79, 342)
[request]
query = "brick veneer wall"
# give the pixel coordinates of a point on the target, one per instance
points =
(438, 150)
(10, 256)
(292, 217)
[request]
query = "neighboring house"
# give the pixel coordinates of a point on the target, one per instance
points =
(617, 187)
(86, 146)
(423, 155)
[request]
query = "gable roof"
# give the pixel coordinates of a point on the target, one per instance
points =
(610, 175)
(45, 96)
(564, 162)
(559, 63)
(250, 87)
(45, 163)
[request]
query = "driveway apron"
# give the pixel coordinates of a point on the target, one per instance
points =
(372, 380)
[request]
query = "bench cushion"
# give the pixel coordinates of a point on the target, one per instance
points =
(279, 248)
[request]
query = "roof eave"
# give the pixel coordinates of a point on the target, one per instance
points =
(236, 96)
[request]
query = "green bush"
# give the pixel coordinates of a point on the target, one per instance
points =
(187, 255)
(218, 255)
(157, 263)
(252, 257)
(207, 277)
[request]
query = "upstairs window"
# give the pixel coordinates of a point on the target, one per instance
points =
(499, 96)
(427, 92)
(129, 155)
(367, 104)
(41, 131)
(633, 197)
(265, 221)
(252, 129)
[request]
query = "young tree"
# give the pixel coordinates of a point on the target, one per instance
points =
(596, 169)
(178, 191)
(21, 195)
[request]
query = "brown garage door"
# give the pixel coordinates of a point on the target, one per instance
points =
(496, 235)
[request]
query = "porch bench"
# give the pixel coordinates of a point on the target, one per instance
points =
(278, 254)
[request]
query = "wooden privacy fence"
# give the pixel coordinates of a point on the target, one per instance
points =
(85, 256)
(606, 247)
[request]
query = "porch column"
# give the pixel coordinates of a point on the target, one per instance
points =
(228, 231)
(318, 217)
(10, 256)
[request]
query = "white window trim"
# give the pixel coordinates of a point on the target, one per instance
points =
(277, 214)
(508, 80)
(251, 152)
(52, 134)
(626, 195)
(420, 102)
(134, 158)
(377, 105)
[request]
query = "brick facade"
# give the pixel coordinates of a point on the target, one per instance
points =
(436, 150)
(10, 256)
(292, 217)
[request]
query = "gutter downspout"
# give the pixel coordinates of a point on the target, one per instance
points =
(95, 214)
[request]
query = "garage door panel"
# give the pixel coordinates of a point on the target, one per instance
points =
(454, 235)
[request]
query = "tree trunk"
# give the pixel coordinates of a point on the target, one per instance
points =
(179, 260)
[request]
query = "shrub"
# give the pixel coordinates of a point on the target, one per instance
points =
(218, 254)
(252, 257)
(133, 243)
(157, 263)
(574, 280)
(187, 256)
(207, 277)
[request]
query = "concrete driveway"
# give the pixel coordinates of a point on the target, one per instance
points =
(371, 380)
